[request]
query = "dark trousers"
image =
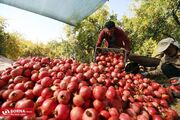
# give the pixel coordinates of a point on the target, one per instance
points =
(170, 71)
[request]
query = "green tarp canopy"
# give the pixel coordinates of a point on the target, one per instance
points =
(67, 11)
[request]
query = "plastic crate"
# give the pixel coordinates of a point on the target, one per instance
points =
(119, 51)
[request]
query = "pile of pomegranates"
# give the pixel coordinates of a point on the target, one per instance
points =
(65, 89)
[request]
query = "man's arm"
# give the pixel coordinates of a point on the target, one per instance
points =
(127, 45)
(155, 72)
(158, 70)
(100, 38)
(125, 40)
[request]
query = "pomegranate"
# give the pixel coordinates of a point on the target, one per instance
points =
(99, 92)
(5, 93)
(124, 116)
(37, 89)
(62, 112)
(25, 103)
(29, 94)
(78, 100)
(64, 97)
(98, 105)
(90, 114)
(46, 93)
(46, 82)
(16, 95)
(48, 106)
(76, 113)
(85, 92)
(17, 71)
(8, 104)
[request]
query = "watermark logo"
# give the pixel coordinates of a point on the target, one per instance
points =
(16, 112)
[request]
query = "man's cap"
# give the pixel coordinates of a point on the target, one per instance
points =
(109, 24)
(165, 43)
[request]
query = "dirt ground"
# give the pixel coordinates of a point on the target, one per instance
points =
(4, 62)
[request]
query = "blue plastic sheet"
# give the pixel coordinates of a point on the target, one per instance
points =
(67, 11)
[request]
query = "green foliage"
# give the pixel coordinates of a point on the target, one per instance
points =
(147, 48)
(154, 19)
(12, 46)
(59, 49)
(35, 50)
(3, 36)
(9, 42)
(82, 38)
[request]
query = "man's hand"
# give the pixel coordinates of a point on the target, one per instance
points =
(145, 73)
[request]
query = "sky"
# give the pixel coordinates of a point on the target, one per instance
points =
(38, 28)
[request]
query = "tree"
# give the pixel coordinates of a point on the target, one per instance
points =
(12, 46)
(35, 50)
(56, 49)
(147, 48)
(153, 20)
(3, 36)
(82, 38)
